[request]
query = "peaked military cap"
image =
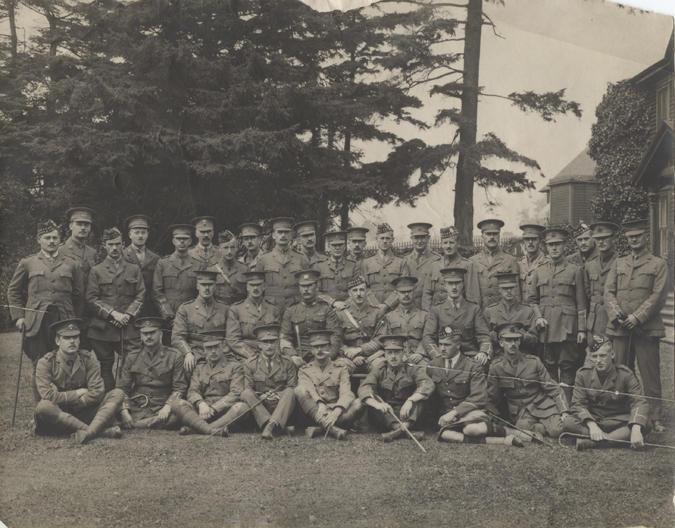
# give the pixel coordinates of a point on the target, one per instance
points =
(257, 277)
(66, 327)
(453, 274)
(203, 222)
(250, 229)
(268, 332)
(555, 234)
(532, 230)
(393, 342)
(335, 237)
(404, 283)
(635, 227)
(490, 224)
(357, 233)
(308, 276)
(319, 337)
(281, 222)
(604, 229)
(419, 228)
(212, 337)
(306, 226)
(206, 276)
(507, 279)
(510, 330)
(155, 323)
(137, 221)
(80, 214)
(181, 229)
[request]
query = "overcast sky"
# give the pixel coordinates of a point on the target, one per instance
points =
(579, 45)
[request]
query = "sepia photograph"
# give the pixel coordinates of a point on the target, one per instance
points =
(337, 263)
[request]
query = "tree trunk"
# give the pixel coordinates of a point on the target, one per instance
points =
(13, 39)
(468, 161)
(344, 215)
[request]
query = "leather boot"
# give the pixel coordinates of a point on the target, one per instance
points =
(312, 432)
(110, 406)
(393, 434)
(51, 414)
(189, 417)
(114, 432)
(268, 432)
(508, 440)
(337, 432)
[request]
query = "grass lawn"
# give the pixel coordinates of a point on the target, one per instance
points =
(156, 478)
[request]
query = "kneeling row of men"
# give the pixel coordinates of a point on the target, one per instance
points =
(153, 391)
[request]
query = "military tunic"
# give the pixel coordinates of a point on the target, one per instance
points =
(595, 275)
(489, 265)
(242, 318)
(233, 289)
(610, 411)
(83, 254)
(205, 258)
(158, 375)
(421, 267)
(281, 287)
(461, 387)
(219, 385)
(173, 284)
(315, 259)
(463, 317)
(302, 318)
(249, 260)
(330, 386)
(409, 323)
(334, 277)
(578, 259)
(379, 270)
(527, 270)
(148, 271)
(434, 288)
(58, 382)
(192, 319)
(501, 312)
(279, 375)
(363, 335)
(533, 398)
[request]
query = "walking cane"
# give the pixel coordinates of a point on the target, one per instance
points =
(401, 424)
(512, 426)
(121, 357)
(18, 376)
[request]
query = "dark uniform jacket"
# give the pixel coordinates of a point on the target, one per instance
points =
(159, 376)
(120, 289)
(589, 404)
(219, 385)
(233, 289)
(305, 318)
(395, 386)
(57, 381)
(362, 335)
(462, 387)
(334, 277)
(281, 287)
(192, 319)
(39, 282)
(434, 288)
(421, 267)
(595, 276)
(578, 259)
(329, 385)
(465, 319)
(84, 255)
(379, 271)
(488, 267)
(205, 259)
(409, 323)
(500, 313)
(527, 270)
(536, 392)
(639, 287)
(259, 378)
(242, 318)
(173, 284)
(557, 294)
(315, 259)
(148, 271)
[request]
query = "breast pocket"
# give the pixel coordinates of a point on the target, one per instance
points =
(36, 281)
(644, 280)
(316, 322)
(65, 282)
(565, 288)
(395, 327)
(170, 280)
(259, 382)
(107, 288)
(459, 388)
(221, 383)
(417, 328)
(129, 286)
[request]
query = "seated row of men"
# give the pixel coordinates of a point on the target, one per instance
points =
(153, 391)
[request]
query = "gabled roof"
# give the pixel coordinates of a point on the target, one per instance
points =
(660, 151)
(665, 65)
(580, 169)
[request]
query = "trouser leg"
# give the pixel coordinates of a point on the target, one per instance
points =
(351, 413)
(307, 404)
(568, 362)
(284, 409)
(105, 353)
(186, 415)
(232, 414)
(56, 420)
(260, 413)
(623, 353)
(550, 359)
(649, 363)
(105, 414)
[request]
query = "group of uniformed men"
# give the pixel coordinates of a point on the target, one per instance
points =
(508, 350)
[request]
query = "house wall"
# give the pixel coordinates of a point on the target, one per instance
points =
(560, 204)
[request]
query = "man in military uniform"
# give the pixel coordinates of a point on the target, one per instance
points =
(151, 380)
(401, 388)
(462, 316)
(195, 317)
(336, 271)
(510, 310)
(360, 320)
(324, 391)
(421, 259)
(635, 292)
(434, 288)
(244, 316)
(174, 282)
(138, 227)
(213, 394)
(311, 313)
(461, 388)
(535, 402)
(407, 320)
(559, 301)
(231, 286)
(492, 260)
(70, 386)
(271, 377)
(533, 255)
(383, 267)
(305, 233)
(356, 243)
(205, 255)
(250, 234)
(280, 265)
(595, 275)
(115, 293)
(607, 401)
(46, 287)
(80, 220)
(586, 250)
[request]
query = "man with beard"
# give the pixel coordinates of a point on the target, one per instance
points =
(231, 287)
(324, 391)
(272, 378)
(138, 227)
(400, 387)
(434, 289)
(421, 259)
(70, 386)
(205, 255)
(533, 255)
(115, 294)
(244, 316)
